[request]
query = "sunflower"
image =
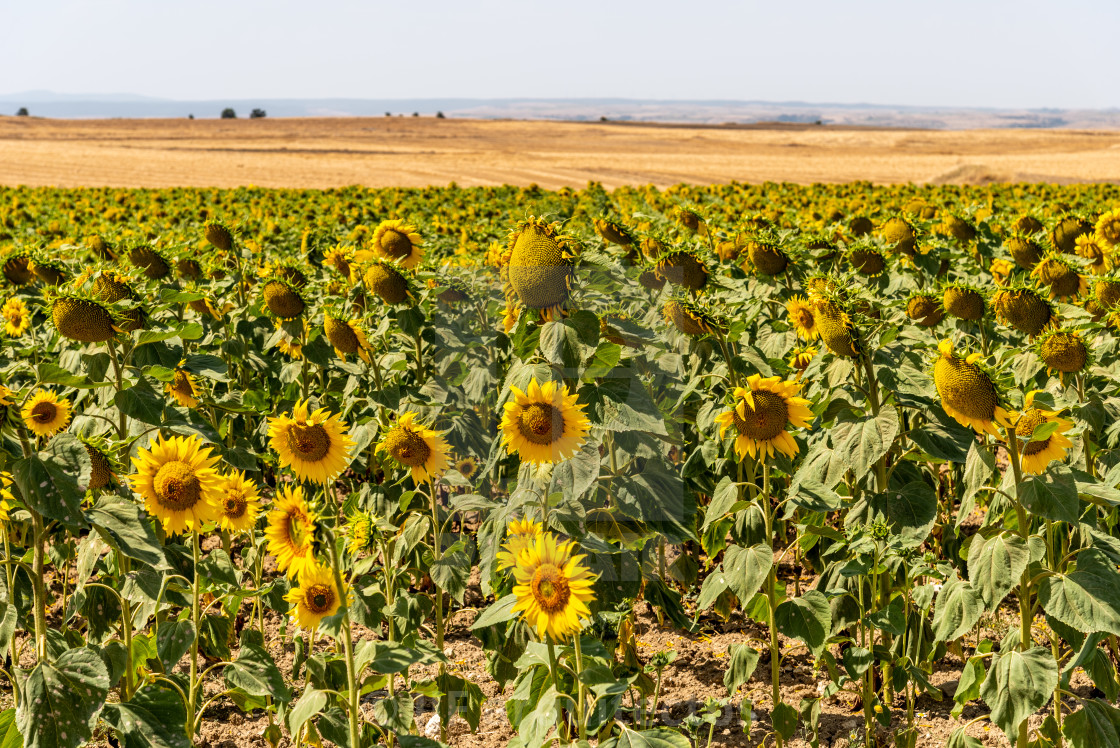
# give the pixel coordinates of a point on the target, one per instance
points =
(291, 531)
(1060, 277)
(866, 259)
(416, 447)
(101, 467)
(467, 467)
(182, 388)
(178, 481)
(82, 319)
(1063, 352)
(1095, 251)
(16, 316)
(541, 265)
(801, 317)
(317, 597)
(219, 235)
(239, 502)
(1025, 251)
(397, 241)
(346, 336)
(800, 358)
(553, 588)
(613, 232)
(761, 412)
(388, 282)
(835, 327)
(520, 535)
(283, 300)
(17, 268)
(1036, 455)
(359, 532)
(543, 424)
(967, 392)
(340, 259)
(963, 302)
(688, 317)
(149, 261)
(766, 257)
(683, 268)
(925, 309)
(45, 414)
(7, 500)
(290, 347)
(314, 445)
(899, 233)
(1001, 270)
(1065, 232)
(1023, 309)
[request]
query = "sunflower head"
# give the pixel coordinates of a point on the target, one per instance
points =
(104, 469)
(800, 358)
(1001, 270)
(760, 414)
(1023, 309)
(766, 257)
(544, 423)
(520, 535)
(83, 319)
(1063, 351)
(315, 445)
(1025, 250)
(17, 317)
(467, 467)
(453, 290)
(684, 268)
(397, 241)
(17, 267)
(690, 218)
(925, 309)
(963, 302)
(651, 279)
(317, 596)
(801, 317)
(1027, 225)
(1106, 291)
(861, 226)
(49, 271)
(956, 226)
(900, 234)
(45, 414)
(360, 532)
(553, 588)
(1065, 232)
(688, 317)
(219, 235)
(150, 261)
(1057, 274)
(345, 335)
(239, 502)
(1098, 254)
(290, 274)
(967, 391)
(866, 259)
(389, 281)
(541, 264)
(614, 232)
(177, 479)
(101, 249)
(418, 448)
(283, 300)
(291, 531)
(183, 388)
(1037, 453)
(835, 326)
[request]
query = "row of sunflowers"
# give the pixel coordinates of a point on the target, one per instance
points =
(272, 450)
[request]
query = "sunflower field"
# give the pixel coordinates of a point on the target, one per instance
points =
(277, 458)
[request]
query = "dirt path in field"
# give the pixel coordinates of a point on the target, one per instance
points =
(382, 152)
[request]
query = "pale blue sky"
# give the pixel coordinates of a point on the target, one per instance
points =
(942, 52)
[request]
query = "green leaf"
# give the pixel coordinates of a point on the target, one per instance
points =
(808, 618)
(959, 739)
(48, 481)
(1044, 431)
(1088, 598)
(744, 660)
(391, 657)
(397, 714)
(452, 572)
(218, 567)
(9, 733)
(1052, 495)
(785, 719)
(59, 700)
(1018, 685)
(124, 526)
(968, 686)
(173, 641)
(186, 331)
(866, 441)
(979, 467)
(1095, 725)
(141, 403)
(309, 704)
(724, 499)
(658, 737)
(995, 566)
(957, 610)
(499, 612)
(255, 673)
(746, 568)
(462, 697)
(54, 374)
(152, 718)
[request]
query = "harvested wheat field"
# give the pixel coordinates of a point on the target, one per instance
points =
(378, 152)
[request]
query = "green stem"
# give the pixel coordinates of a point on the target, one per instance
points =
(581, 690)
(555, 672)
(347, 645)
(38, 587)
(772, 600)
(192, 700)
(437, 552)
(10, 573)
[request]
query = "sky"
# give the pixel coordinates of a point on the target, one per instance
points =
(968, 53)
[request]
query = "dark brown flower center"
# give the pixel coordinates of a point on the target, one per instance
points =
(44, 412)
(550, 588)
(319, 598)
(764, 421)
(235, 505)
(541, 423)
(309, 443)
(177, 486)
(407, 447)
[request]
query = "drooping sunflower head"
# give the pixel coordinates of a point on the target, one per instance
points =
(290, 274)
(315, 446)
(1063, 352)
(958, 227)
(1025, 250)
(389, 281)
(17, 267)
(290, 347)
(112, 287)
(800, 358)
(1065, 232)
(801, 317)
(541, 264)
(177, 479)
(835, 326)
(543, 424)
(651, 279)
(45, 414)
(968, 392)
(49, 271)
(861, 226)
(100, 248)
(614, 231)
(900, 234)
(1096, 252)
(1001, 270)
(291, 531)
(183, 388)
(239, 502)
(691, 218)
(345, 335)
(1107, 229)
(340, 258)
(1106, 291)
(397, 241)
(360, 532)
(219, 235)
(188, 268)
(963, 301)
(520, 535)
(684, 268)
(416, 447)
(553, 588)
(1057, 274)
(766, 257)
(760, 415)
(689, 317)
(1037, 453)
(925, 309)
(103, 470)
(866, 258)
(150, 261)
(453, 290)
(1027, 225)
(1023, 309)
(317, 596)
(283, 300)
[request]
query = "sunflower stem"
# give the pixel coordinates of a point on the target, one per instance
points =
(1090, 466)
(192, 696)
(1024, 592)
(38, 587)
(437, 542)
(581, 689)
(10, 572)
(554, 670)
(347, 644)
(772, 599)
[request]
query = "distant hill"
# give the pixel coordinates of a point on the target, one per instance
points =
(67, 106)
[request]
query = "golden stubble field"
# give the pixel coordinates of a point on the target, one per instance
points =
(382, 152)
